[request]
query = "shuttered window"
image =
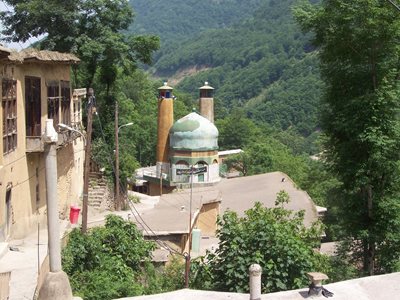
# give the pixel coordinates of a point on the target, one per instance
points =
(9, 106)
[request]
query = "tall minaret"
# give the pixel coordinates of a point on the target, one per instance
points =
(207, 102)
(165, 122)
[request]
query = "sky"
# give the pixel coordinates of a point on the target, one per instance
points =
(17, 46)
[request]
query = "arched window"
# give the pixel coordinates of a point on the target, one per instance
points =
(204, 172)
(181, 173)
(182, 163)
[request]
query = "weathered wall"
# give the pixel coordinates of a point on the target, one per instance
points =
(207, 108)
(165, 121)
(154, 189)
(24, 173)
(207, 219)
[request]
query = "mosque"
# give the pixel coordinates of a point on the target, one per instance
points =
(187, 150)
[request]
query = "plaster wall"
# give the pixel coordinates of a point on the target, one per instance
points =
(24, 173)
(154, 189)
(207, 108)
(207, 219)
(165, 122)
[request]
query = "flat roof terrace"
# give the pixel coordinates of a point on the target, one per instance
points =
(241, 193)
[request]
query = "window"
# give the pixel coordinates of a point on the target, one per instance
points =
(9, 105)
(181, 171)
(32, 106)
(65, 102)
(53, 102)
(77, 112)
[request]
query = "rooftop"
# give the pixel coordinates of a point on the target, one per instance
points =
(194, 132)
(229, 152)
(382, 287)
(240, 194)
(171, 214)
(237, 194)
(32, 55)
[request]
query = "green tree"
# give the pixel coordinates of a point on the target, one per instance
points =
(275, 238)
(236, 131)
(91, 29)
(358, 50)
(114, 261)
(106, 263)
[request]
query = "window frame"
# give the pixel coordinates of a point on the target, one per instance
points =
(9, 106)
(65, 102)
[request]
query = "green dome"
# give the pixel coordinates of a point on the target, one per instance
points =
(195, 133)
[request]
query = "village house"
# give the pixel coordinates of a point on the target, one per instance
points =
(36, 86)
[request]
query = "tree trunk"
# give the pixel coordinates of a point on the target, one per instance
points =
(371, 241)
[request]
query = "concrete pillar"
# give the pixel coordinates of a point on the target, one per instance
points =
(56, 283)
(55, 286)
(255, 282)
(53, 227)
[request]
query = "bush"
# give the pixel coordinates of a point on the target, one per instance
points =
(275, 238)
(107, 262)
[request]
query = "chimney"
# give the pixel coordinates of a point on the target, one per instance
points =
(316, 288)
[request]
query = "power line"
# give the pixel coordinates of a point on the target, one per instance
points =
(137, 214)
(394, 4)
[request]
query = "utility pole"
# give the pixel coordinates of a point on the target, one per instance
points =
(91, 100)
(116, 199)
(161, 180)
(187, 258)
(56, 283)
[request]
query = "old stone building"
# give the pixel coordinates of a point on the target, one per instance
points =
(36, 86)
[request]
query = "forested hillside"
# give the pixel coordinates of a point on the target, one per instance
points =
(262, 62)
(176, 20)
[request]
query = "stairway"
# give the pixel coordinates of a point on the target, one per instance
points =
(100, 196)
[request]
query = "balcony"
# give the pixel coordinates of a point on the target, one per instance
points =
(36, 144)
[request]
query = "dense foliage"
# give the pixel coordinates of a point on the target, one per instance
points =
(274, 238)
(177, 20)
(91, 29)
(359, 54)
(261, 62)
(262, 150)
(114, 261)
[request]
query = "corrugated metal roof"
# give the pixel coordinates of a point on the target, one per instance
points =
(229, 152)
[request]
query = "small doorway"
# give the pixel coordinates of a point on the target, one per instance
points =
(8, 212)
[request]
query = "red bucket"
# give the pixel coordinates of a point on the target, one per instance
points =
(74, 214)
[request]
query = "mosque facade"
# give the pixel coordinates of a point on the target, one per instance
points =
(187, 150)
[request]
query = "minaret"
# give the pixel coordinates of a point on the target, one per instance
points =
(207, 102)
(165, 122)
